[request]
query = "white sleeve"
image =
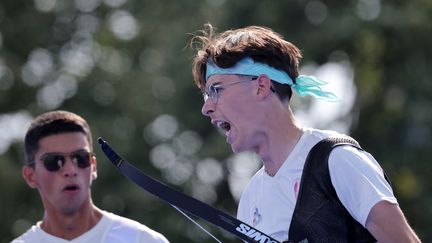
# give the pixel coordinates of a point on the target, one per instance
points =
(152, 236)
(359, 181)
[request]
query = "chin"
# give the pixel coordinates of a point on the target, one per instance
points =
(234, 149)
(237, 149)
(69, 210)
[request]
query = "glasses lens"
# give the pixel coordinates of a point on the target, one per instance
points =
(213, 93)
(205, 96)
(53, 162)
(81, 159)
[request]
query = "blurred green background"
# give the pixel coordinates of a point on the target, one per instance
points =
(124, 65)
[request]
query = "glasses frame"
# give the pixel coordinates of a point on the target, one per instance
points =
(213, 90)
(61, 160)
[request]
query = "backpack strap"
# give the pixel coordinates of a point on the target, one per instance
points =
(319, 215)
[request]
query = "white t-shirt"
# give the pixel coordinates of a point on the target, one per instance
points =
(110, 229)
(267, 203)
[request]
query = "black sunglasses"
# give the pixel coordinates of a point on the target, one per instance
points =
(55, 161)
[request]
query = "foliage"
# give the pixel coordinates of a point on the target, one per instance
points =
(125, 67)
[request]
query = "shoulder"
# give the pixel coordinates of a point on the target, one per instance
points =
(312, 136)
(359, 181)
(308, 140)
(318, 134)
(349, 163)
(347, 156)
(127, 228)
(31, 235)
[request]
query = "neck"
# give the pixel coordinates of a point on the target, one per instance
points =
(279, 143)
(69, 226)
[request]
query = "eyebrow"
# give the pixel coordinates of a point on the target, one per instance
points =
(60, 153)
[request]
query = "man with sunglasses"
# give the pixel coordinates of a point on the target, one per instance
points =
(60, 164)
(247, 76)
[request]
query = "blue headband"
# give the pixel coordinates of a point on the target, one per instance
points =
(304, 85)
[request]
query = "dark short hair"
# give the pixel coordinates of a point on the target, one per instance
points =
(51, 123)
(260, 43)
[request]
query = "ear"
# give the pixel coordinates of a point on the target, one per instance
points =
(93, 167)
(28, 172)
(264, 86)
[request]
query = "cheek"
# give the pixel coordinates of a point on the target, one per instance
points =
(45, 182)
(241, 116)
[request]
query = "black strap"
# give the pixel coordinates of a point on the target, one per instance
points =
(185, 202)
(319, 215)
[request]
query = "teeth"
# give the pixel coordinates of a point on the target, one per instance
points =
(222, 125)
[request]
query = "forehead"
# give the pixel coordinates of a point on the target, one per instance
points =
(63, 143)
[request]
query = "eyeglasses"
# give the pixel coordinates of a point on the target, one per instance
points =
(56, 161)
(213, 90)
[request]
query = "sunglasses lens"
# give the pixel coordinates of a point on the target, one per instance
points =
(53, 162)
(81, 159)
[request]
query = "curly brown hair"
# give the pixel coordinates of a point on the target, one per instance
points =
(260, 43)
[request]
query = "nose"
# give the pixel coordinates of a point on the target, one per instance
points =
(69, 168)
(208, 107)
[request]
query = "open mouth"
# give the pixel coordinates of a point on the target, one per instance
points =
(223, 125)
(70, 188)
